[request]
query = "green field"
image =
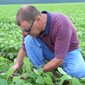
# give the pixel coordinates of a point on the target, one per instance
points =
(11, 35)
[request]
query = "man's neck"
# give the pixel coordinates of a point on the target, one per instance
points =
(44, 21)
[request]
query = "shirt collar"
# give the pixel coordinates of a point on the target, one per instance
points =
(48, 22)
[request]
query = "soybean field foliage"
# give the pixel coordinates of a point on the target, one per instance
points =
(11, 35)
(11, 40)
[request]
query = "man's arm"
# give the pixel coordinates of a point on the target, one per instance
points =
(20, 56)
(53, 64)
(19, 61)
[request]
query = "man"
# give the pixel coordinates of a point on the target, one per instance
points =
(51, 37)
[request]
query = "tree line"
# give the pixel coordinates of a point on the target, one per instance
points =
(37, 1)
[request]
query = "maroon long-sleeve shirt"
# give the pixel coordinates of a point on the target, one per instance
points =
(60, 35)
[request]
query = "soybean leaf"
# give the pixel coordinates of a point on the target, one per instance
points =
(3, 82)
(40, 70)
(75, 81)
(3, 68)
(48, 80)
(36, 71)
(82, 80)
(39, 80)
(16, 78)
(31, 75)
(19, 82)
(63, 78)
(50, 74)
(10, 72)
(27, 65)
(61, 70)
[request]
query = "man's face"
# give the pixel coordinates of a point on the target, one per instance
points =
(32, 29)
(29, 28)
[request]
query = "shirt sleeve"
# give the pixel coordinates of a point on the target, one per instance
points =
(62, 42)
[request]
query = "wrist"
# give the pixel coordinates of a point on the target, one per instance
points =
(20, 64)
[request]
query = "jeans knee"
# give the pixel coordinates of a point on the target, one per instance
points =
(77, 72)
(28, 40)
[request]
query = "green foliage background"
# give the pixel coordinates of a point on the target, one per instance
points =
(11, 35)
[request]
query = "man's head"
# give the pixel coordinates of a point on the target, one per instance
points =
(29, 18)
(27, 13)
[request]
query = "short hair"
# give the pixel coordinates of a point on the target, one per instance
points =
(27, 13)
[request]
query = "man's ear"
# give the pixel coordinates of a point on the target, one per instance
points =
(38, 18)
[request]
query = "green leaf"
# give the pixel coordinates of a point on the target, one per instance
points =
(47, 80)
(3, 82)
(82, 80)
(40, 70)
(10, 72)
(39, 80)
(27, 65)
(63, 78)
(3, 68)
(31, 75)
(19, 82)
(16, 78)
(61, 70)
(49, 73)
(75, 81)
(36, 71)
(3, 75)
(28, 84)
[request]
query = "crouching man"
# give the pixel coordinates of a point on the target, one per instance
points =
(51, 37)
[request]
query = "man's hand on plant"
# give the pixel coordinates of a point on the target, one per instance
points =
(16, 68)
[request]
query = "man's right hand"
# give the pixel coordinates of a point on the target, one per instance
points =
(16, 68)
(19, 61)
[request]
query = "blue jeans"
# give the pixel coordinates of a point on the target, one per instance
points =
(38, 52)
